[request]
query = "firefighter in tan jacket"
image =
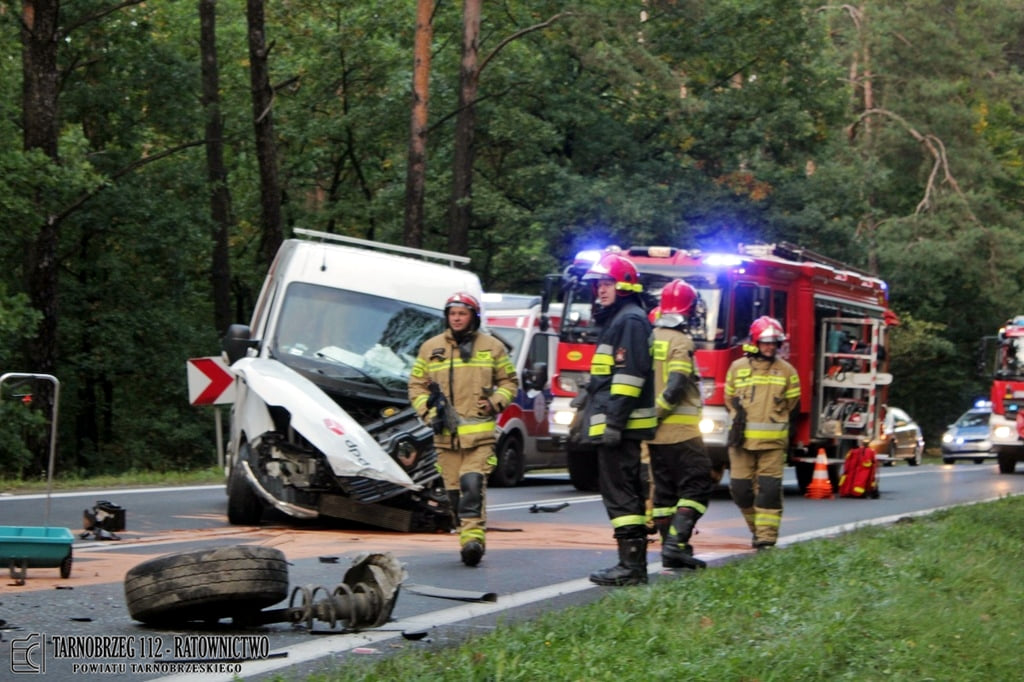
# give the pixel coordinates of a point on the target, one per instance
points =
(461, 380)
(761, 390)
(680, 465)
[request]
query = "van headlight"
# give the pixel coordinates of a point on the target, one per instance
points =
(1002, 432)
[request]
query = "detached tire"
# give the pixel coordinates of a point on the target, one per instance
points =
(206, 585)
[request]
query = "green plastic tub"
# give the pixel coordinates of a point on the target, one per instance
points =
(24, 547)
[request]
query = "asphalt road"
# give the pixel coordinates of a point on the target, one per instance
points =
(536, 561)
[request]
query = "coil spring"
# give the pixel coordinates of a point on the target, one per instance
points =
(354, 611)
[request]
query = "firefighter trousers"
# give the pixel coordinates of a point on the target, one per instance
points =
(623, 488)
(465, 470)
(755, 484)
(682, 476)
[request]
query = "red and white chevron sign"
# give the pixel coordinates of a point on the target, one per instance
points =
(210, 382)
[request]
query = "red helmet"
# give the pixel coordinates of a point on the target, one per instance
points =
(767, 330)
(677, 298)
(654, 314)
(618, 268)
(461, 298)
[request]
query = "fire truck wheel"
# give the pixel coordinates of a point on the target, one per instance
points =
(582, 466)
(509, 469)
(206, 585)
(244, 507)
(804, 474)
(1007, 463)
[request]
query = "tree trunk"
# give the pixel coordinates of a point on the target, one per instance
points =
(465, 123)
(415, 177)
(217, 175)
(263, 122)
(40, 127)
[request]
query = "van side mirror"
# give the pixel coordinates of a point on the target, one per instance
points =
(236, 342)
(536, 377)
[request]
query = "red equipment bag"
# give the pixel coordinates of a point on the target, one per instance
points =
(860, 474)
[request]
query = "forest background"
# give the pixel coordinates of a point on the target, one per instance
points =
(154, 154)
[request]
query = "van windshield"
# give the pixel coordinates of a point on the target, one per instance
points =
(375, 336)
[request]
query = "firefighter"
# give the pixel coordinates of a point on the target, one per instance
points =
(461, 380)
(617, 414)
(761, 389)
(679, 462)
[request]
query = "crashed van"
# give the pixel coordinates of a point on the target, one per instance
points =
(321, 426)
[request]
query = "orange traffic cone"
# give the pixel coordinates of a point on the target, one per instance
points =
(820, 487)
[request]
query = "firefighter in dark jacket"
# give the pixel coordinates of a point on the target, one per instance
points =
(461, 380)
(761, 390)
(618, 414)
(680, 464)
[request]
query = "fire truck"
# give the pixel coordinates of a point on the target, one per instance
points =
(835, 316)
(1006, 425)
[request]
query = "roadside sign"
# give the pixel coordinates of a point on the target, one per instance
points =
(210, 381)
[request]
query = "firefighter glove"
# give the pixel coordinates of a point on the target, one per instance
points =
(612, 436)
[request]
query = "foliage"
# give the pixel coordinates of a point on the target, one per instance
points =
(697, 124)
(874, 603)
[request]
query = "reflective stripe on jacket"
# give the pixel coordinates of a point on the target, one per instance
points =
(672, 354)
(621, 391)
(487, 373)
(768, 390)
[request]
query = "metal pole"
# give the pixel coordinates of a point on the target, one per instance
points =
(53, 427)
(220, 437)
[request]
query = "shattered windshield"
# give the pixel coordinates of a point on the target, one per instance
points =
(371, 336)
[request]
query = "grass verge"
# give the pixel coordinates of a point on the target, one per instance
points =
(931, 598)
(127, 479)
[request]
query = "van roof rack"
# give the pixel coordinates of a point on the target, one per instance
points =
(422, 253)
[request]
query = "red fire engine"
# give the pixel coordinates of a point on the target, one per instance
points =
(835, 318)
(1006, 425)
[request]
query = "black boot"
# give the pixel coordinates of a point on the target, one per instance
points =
(453, 502)
(632, 566)
(676, 551)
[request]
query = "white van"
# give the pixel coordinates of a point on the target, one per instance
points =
(321, 424)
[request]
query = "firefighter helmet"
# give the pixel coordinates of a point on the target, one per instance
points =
(618, 268)
(767, 330)
(654, 314)
(677, 298)
(463, 300)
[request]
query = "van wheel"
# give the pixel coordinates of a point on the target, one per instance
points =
(206, 585)
(509, 469)
(245, 508)
(582, 466)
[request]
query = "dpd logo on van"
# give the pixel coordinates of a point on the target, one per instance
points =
(334, 427)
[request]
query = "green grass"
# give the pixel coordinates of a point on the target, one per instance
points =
(127, 479)
(931, 598)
